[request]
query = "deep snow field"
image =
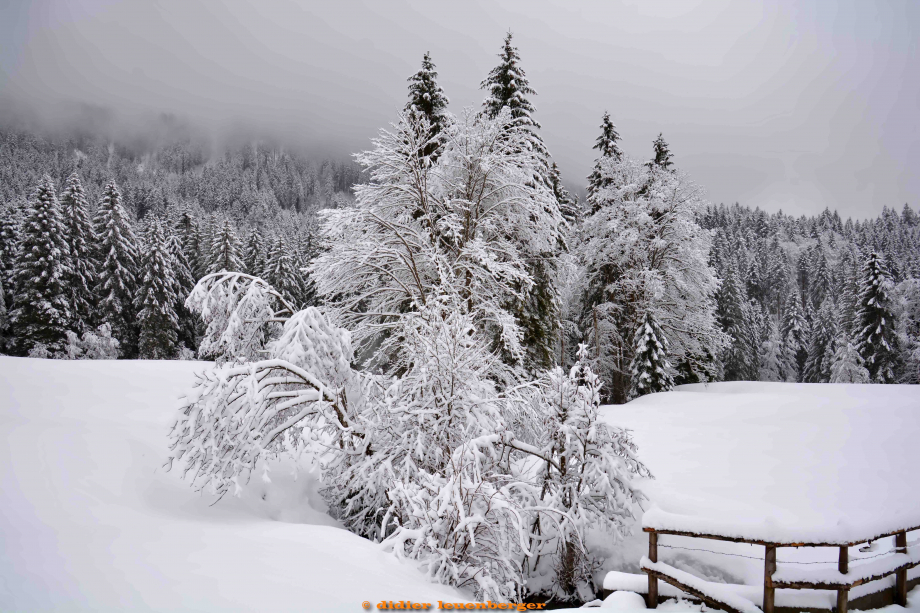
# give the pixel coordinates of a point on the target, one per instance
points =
(91, 521)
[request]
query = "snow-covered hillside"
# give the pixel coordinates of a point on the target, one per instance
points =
(91, 521)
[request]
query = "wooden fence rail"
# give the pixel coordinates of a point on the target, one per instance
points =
(897, 564)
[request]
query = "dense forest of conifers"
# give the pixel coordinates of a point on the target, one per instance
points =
(813, 299)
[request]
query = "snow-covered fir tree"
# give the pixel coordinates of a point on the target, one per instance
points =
(282, 274)
(117, 255)
(662, 154)
(607, 145)
(254, 258)
(776, 363)
(538, 308)
(225, 250)
(795, 331)
(821, 344)
(847, 366)
(876, 337)
(427, 97)
(9, 244)
(156, 298)
(41, 312)
(650, 369)
(80, 238)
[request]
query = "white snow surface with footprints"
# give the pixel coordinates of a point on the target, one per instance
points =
(91, 520)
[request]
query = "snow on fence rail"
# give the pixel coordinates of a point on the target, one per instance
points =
(904, 556)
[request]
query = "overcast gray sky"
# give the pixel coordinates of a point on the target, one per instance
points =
(781, 104)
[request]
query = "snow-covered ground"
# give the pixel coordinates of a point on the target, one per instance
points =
(91, 521)
(774, 460)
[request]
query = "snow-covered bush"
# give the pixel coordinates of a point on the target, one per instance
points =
(98, 345)
(584, 482)
(436, 444)
(241, 313)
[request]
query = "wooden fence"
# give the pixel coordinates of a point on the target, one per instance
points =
(897, 563)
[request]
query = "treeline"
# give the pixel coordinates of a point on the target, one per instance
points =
(661, 286)
(251, 208)
(818, 299)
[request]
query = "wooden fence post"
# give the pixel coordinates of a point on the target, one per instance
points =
(843, 565)
(769, 567)
(900, 584)
(652, 579)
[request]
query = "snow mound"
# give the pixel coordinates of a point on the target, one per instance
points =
(624, 601)
(91, 521)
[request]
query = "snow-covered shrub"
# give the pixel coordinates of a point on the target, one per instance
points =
(241, 312)
(584, 482)
(98, 345)
(239, 413)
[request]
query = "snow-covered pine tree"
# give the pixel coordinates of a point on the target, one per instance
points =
(662, 154)
(9, 243)
(41, 312)
(281, 273)
(538, 309)
(116, 252)
(847, 366)
(185, 283)
(225, 250)
(81, 282)
(427, 97)
(824, 332)
(776, 364)
(876, 338)
(607, 145)
(584, 483)
(508, 87)
(795, 333)
(156, 298)
(254, 259)
(651, 371)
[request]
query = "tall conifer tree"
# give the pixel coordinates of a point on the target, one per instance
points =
(225, 250)
(607, 145)
(157, 298)
(81, 281)
(662, 154)
(876, 339)
(427, 97)
(41, 310)
(116, 249)
(650, 368)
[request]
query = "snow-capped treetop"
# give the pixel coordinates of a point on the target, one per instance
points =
(508, 87)
(608, 148)
(427, 97)
(663, 155)
(607, 143)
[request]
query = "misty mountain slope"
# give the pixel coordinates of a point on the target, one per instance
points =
(91, 521)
